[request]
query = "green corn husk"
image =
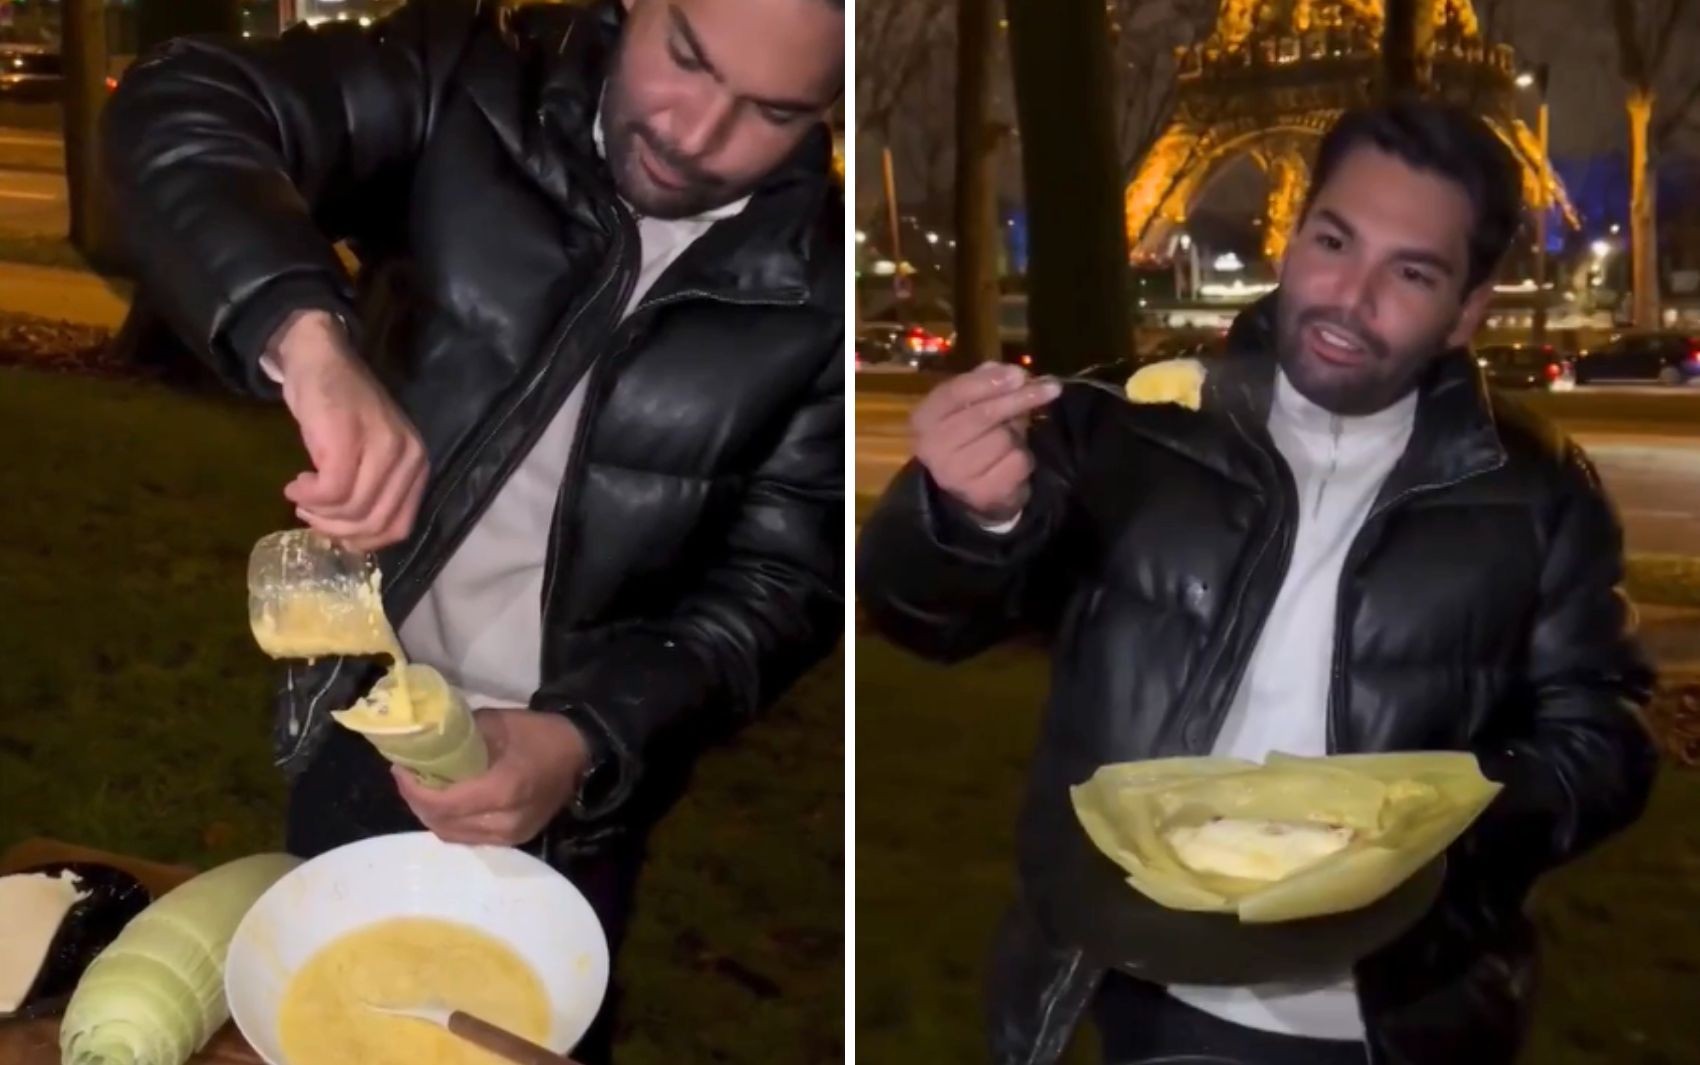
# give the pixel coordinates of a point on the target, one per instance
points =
(451, 750)
(156, 994)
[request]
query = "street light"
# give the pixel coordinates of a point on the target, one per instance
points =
(1526, 80)
(1601, 248)
(932, 238)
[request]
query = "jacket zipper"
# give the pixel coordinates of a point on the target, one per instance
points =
(1335, 425)
(1284, 529)
(563, 332)
(567, 496)
(1380, 510)
(559, 543)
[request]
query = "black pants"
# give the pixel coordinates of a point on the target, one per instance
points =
(1140, 1023)
(609, 884)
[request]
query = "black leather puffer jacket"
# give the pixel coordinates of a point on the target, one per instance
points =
(1479, 611)
(695, 565)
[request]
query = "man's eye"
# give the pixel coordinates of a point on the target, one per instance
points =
(778, 117)
(1416, 277)
(1329, 242)
(683, 59)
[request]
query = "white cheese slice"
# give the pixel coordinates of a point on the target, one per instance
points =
(32, 907)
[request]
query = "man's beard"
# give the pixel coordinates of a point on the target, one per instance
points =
(1380, 380)
(701, 191)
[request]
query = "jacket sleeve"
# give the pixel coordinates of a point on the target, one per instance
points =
(234, 166)
(767, 608)
(1582, 766)
(935, 582)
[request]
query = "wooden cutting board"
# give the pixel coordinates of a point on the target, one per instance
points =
(37, 1042)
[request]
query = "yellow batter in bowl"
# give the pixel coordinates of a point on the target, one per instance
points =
(407, 961)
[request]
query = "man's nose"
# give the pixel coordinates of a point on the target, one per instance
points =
(1356, 288)
(703, 125)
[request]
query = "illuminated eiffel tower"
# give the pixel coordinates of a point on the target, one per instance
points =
(1272, 77)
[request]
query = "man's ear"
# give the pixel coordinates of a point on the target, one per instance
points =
(1471, 315)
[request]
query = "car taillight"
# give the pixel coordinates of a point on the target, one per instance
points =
(1552, 371)
(111, 83)
(924, 343)
(1026, 360)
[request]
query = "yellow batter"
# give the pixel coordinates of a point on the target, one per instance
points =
(411, 715)
(314, 623)
(407, 961)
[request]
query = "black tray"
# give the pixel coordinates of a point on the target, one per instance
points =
(114, 899)
(1083, 899)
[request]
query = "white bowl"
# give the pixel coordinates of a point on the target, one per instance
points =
(502, 892)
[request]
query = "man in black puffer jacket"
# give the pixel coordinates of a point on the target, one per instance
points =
(1352, 546)
(586, 401)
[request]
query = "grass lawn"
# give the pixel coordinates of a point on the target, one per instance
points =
(41, 251)
(941, 758)
(132, 715)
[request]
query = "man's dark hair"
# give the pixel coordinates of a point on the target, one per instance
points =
(1445, 140)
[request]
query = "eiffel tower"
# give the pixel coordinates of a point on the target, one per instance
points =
(1272, 77)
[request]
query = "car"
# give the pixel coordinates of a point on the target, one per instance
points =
(31, 73)
(1664, 357)
(1512, 366)
(901, 344)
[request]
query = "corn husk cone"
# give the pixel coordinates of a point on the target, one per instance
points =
(448, 749)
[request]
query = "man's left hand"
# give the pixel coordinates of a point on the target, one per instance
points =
(536, 763)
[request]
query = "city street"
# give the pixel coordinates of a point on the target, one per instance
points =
(1653, 472)
(32, 203)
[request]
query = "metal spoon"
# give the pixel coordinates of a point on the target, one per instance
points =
(480, 1033)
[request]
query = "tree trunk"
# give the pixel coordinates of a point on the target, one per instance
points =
(83, 28)
(976, 187)
(1077, 282)
(1400, 66)
(1643, 214)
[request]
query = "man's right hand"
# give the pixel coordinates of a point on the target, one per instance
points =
(970, 434)
(368, 463)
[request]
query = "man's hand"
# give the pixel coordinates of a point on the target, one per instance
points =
(368, 464)
(971, 435)
(536, 763)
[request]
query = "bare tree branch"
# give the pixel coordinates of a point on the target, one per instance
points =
(895, 39)
(1661, 42)
(1631, 57)
(1147, 34)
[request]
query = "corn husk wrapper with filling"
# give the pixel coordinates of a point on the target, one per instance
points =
(1404, 809)
(450, 748)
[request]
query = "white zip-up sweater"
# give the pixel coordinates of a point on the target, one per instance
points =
(1339, 465)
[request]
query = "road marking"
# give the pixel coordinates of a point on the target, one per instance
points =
(42, 197)
(1662, 515)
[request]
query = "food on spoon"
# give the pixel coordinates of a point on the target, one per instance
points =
(1255, 849)
(32, 907)
(1175, 381)
(407, 962)
(156, 994)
